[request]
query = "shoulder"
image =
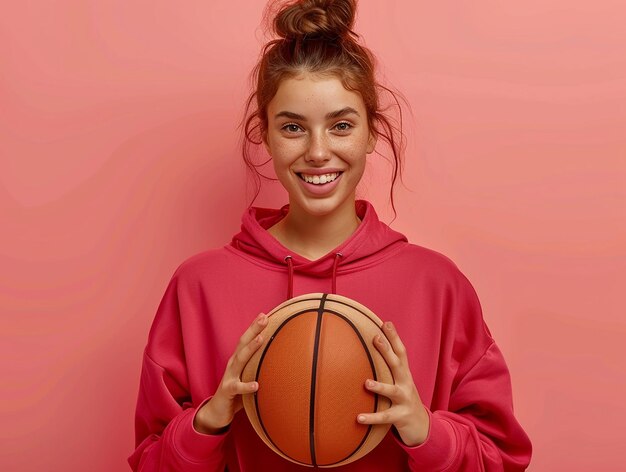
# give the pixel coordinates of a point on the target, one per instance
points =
(442, 275)
(431, 262)
(428, 255)
(201, 264)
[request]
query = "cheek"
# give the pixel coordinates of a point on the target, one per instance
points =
(354, 151)
(286, 149)
(283, 157)
(356, 145)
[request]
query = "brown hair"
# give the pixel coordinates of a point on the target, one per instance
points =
(316, 36)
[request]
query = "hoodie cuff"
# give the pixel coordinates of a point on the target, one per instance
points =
(438, 451)
(194, 446)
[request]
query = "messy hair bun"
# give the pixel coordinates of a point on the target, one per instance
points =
(315, 18)
(316, 37)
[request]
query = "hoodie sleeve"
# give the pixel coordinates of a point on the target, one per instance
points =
(472, 424)
(165, 439)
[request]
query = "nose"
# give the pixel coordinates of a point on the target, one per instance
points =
(318, 148)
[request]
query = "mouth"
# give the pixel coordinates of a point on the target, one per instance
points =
(319, 179)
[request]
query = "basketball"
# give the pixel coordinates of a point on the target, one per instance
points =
(311, 368)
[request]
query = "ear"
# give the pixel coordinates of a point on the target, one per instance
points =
(371, 142)
(265, 143)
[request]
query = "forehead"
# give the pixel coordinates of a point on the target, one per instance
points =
(310, 94)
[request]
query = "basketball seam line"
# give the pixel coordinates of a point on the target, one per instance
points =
(318, 329)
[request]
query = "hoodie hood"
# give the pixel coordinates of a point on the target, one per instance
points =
(370, 243)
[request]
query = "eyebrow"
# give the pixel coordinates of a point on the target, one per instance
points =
(329, 116)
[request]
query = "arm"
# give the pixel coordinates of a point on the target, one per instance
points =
(470, 425)
(171, 434)
(478, 430)
(165, 437)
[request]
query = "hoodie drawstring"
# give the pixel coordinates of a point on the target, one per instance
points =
(335, 264)
(290, 281)
(289, 261)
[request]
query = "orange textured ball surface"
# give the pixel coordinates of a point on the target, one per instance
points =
(311, 370)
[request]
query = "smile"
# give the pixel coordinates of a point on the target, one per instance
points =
(319, 179)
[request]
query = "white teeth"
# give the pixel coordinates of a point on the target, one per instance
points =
(320, 179)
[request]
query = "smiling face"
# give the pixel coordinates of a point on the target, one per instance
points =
(318, 137)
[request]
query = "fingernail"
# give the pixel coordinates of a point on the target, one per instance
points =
(370, 383)
(389, 326)
(361, 418)
(255, 386)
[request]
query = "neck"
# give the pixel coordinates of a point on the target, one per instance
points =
(313, 236)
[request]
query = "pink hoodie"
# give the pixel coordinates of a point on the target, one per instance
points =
(213, 297)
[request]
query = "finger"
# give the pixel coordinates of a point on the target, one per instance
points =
(247, 387)
(393, 392)
(243, 354)
(382, 417)
(241, 388)
(383, 346)
(394, 339)
(397, 366)
(258, 325)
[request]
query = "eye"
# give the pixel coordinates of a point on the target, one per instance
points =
(291, 128)
(343, 126)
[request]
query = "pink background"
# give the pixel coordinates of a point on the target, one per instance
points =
(119, 159)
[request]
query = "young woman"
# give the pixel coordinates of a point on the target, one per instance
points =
(317, 114)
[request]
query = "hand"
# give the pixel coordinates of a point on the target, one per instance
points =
(216, 414)
(407, 412)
